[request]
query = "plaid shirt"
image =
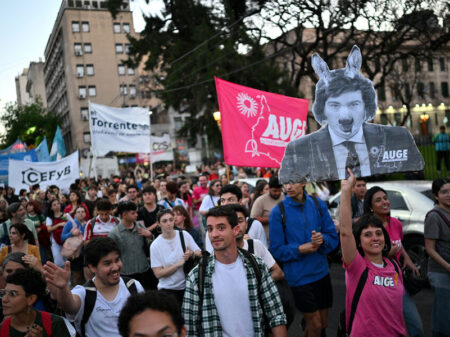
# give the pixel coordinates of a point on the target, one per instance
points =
(209, 317)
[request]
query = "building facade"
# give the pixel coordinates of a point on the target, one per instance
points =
(35, 86)
(21, 88)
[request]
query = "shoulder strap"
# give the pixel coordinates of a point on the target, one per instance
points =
(283, 219)
(356, 296)
(183, 245)
(434, 210)
(4, 331)
(395, 264)
(169, 203)
(47, 323)
(89, 303)
(250, 222)
(251, 247)
(201, 285)
(130, 283)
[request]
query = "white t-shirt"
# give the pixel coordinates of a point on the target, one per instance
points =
(209, 201)
(261, 251)
(230, 288)
(164, 253)
(104, 316)
(255, 232)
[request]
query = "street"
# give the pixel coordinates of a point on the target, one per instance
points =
(424, 302)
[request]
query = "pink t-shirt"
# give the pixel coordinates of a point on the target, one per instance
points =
(198, 193)
(395, 231)
(380, 307)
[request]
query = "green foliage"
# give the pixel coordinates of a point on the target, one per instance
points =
(31, 123)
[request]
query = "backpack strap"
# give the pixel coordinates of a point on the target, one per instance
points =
(356, 296)
(250, 222)
(251, 246)
(201, 286)
(46, 322)
(434, 210)
(4, 331)
(283, 219)
(89, 303)
(169, 203)
(130, 283)
(183, 245)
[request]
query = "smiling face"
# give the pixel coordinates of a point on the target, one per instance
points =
(108, 269)
(372, 241)
(381, 205)
(203, 181)
(221, 234)
(345, 113)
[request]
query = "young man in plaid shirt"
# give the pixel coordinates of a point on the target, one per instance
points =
(232, 303)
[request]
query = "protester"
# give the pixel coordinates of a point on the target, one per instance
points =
(235, 301)
(133, 241)
(437, 245)
(3, 209)
(212, 199)
(34, 214)
(147, 213)
(183, 221)
(168, 257)
(132, 195)
(364, 251)
(22, 240)
(184, 194)
(245, 201)
(23, 288)
(91, 199)
(357, 200)
(171, 200)
(112, 197)
(55, 224)
(17, 215)
(301, 235)
(75, 200)
(261, 188)
(103, 223)
(110, 289)
(376, 202)
(441, 141)
(151, 314)
(72, 228)
(200, 191)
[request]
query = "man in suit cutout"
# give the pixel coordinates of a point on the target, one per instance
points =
(345, 101)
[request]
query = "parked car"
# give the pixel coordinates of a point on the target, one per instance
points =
(410, 202)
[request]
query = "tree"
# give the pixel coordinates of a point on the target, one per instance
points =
(31, 123)
(195, 42)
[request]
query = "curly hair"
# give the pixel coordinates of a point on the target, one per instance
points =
(30, 280)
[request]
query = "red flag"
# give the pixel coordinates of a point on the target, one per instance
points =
(257, 125)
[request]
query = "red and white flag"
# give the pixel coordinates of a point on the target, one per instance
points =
(257, 125)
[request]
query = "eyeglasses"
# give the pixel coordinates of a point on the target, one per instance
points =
(10, 293)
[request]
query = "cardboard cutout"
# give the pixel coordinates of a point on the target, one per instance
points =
(345, 102)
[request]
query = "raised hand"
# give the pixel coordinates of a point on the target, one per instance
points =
(57, 276)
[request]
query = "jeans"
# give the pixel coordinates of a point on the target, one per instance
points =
(412, 318)
(441, 305)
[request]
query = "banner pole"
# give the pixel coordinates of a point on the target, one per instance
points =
(150, 153)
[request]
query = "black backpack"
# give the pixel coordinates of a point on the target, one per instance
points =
(91, 297)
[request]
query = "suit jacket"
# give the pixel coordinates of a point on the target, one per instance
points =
(311, 157)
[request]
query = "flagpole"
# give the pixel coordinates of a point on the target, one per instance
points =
(150, 154)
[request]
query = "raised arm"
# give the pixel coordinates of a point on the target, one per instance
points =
(348, 244)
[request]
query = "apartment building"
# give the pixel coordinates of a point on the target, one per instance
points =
(35, 85)
(21, 88)
(84, 61)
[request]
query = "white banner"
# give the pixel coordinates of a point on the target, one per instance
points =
(62, 173)
(119, 129)
(161, 149)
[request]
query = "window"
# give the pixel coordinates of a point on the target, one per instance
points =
(77, 49)
(432, 90)
(85, 27)
(82, 91)
(84, 114)
(397, 201)
(132, 91)
(126, 28)
(75, 27)
(119, 48)
(116, 26)
(88, 48)
(420, 89)
(87, 137)
(130, 71)
(444, 89)
(92, 90)
(123, 89)
(90, 69)
(430, 64)
(442, 63)
(80, 70)
(127, 48)
(121, 69)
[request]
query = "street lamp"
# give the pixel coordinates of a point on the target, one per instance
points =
(216, 116)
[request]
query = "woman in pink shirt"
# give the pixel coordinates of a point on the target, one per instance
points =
(376, 202)
(364, 251)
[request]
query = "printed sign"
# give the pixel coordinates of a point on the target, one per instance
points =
(119, 129)
(62, 173)
(345, 102)
(257, 125)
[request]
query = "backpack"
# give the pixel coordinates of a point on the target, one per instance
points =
(250, 222)
(342, 330)
(91, 297)
(192, 261)
(46, 324)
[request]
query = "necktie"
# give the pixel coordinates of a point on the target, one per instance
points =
(352, 159)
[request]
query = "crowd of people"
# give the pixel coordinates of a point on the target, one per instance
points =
(183, 255)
